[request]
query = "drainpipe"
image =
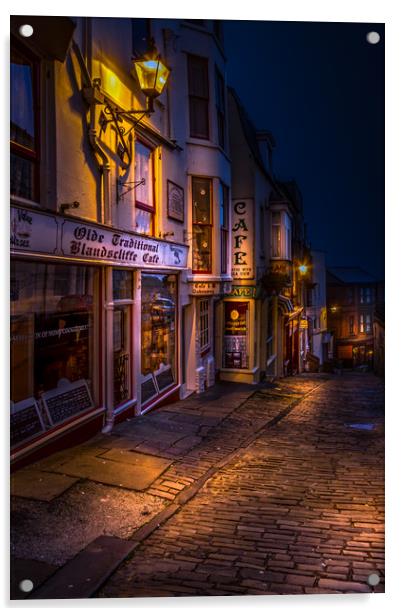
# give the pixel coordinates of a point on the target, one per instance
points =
(103, 163)
(104, 166)
(275, 331)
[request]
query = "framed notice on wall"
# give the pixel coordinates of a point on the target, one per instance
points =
(175, 201)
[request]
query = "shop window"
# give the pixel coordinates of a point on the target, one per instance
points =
(223, 206)
(198, 92)
(24, 103)
(235, 345)
(220, 109)
(54, 340)
(122, 333)
(204, 318)
(281, 236)
(158, 334)
(201, 225)
(144, 193)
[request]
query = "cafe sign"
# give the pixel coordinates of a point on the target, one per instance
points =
(242, 239)
(36, 232)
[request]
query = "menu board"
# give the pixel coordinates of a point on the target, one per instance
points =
(67, 401)
(164, 378)
(25, 421)
(236, 335)
(148, 388)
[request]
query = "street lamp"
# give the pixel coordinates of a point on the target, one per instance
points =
(303, 269)
(152, 75)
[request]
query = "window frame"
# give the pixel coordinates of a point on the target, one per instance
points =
(284, 236)
(204, 325)
(208, 225)
(220, 110)
(145, 207)
(24, 152)
(224, 225)
(192, 97)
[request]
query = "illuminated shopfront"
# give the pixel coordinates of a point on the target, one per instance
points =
(93, 325)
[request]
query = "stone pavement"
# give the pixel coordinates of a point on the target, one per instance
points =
(243, 491)
(300, 511)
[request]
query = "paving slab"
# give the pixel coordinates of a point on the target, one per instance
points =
(39, 485)
(133, 476)
(85, 573)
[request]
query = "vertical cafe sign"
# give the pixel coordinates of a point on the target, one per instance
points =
(242, 239)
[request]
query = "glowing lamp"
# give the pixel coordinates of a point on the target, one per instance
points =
(152, 75)
(303, 269)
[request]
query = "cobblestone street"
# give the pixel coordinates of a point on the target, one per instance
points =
(269, 489)
(299, 510)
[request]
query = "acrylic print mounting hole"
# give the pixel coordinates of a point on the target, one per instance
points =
(26, 30)
(26, 585)
(373, 38)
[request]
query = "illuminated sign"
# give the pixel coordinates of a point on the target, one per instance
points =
(242, 240)
(36, 232)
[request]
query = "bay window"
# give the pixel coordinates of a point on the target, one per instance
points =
(223, 206)
(281, 232)
(202, 225)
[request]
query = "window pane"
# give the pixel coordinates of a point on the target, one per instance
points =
(22, 101)
(143, 222)
(201, 199)
(199, 118)
(22, 177)
(158, 330)
(143, 170)
(122, 284)
(198, 82)
(53, 330)
(276, 238)
(201, 248)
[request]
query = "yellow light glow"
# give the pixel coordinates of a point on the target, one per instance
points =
(152, 76)
(112, 84)
(303, 269)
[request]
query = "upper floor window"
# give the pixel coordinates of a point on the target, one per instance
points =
(144, 193)
(281, 236)
(351, 325)
(202, 224)
(223, 206)
(220, 107)
(24, 164)
(198, 91)
(365, 323)
(366, 295)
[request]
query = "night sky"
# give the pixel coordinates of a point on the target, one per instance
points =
(319, 88)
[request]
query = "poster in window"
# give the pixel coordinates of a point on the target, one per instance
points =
(175, 201)
(236, 335)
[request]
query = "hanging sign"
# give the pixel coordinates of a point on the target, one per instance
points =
(242, 239)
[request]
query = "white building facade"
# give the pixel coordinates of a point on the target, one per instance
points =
(119, 223)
